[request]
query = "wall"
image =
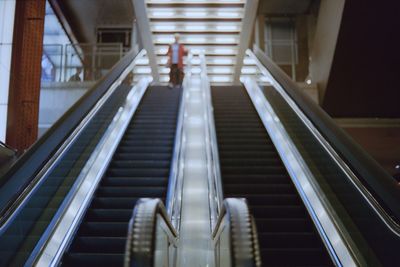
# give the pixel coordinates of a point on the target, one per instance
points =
(7, 11)
(364, 76)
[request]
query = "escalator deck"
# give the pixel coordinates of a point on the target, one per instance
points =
(140, 168)
(251, 168)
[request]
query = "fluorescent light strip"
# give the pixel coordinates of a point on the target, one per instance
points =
(195, 27)
(224, 51)
(228, 14)
(195, 14)
(220, 70)
(164, 27)
(222, 61)
(223, 40)
(249, 61)
(162, 14)
(220, 79)
(248, 70)
(194, 1)
(143, 70)
(227, 28)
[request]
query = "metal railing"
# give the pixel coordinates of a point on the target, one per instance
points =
(79, 62)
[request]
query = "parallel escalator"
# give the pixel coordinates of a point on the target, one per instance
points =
(251, 168)
(139, 168)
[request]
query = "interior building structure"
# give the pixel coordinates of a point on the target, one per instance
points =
(281, 147)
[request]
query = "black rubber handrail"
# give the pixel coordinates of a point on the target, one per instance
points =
(380, 183)
(243, 233)
(8, 147)
(23, 171)
(142, 232)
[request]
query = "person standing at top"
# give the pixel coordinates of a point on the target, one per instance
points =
(77, 76)
(176, 52)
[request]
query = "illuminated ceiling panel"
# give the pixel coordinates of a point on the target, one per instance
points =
(211, 27)
(193, 27)
(195, 13)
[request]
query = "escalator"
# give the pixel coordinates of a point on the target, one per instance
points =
(139, 168)
(251, 168)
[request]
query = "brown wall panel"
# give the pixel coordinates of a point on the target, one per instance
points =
(23, 109)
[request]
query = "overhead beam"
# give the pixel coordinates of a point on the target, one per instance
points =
(250, 12)
(146, 36)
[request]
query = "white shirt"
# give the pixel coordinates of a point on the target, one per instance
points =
(175, 53)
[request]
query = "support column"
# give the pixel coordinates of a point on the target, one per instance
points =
(23, 106)
(249, 17)
(259, 31)
(323, 49)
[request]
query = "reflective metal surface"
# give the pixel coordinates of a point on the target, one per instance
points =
(151, 240)
(90, 176)
(195, 243)
(336, 239)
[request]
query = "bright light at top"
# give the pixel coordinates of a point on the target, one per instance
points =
(223, 51)
(195, 27)
(225, 40)
(195, 14)
(227, 27)
(164, 27)
(163, 13)
(226, 14)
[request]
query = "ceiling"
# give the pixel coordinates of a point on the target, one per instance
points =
(285, 7)
(86, 16)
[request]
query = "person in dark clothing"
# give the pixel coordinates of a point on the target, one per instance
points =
(176, 52)
(76, 77)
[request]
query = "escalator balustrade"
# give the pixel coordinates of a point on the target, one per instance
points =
(251, 168)
(139, 168)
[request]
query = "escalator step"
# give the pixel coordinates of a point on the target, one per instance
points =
(104, 244)
(134, 181)
(139, 168)
(251, 168)
(93, 260)
(295, 257)
(131, 191)
(105, 229)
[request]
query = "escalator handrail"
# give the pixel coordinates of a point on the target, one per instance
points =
(8, 147)
(352, 159)
(216, 194)
(243, 234)
(175, 181)
(39, 159)
(141, 238)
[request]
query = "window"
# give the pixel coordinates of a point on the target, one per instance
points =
(280, 40)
